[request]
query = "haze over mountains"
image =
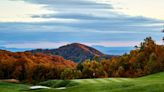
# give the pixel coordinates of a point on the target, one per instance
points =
(113, 50)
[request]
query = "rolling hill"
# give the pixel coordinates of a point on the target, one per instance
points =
(75, 52)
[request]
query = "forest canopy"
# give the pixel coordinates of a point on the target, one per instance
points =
(146, 59)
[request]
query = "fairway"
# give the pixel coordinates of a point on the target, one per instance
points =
(151, 83)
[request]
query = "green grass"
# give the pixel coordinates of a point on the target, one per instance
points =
(11, 87)
(151, 83)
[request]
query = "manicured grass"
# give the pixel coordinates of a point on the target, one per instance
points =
(11, 87)
(151, 83)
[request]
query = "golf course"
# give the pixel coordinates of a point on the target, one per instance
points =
(151, 83)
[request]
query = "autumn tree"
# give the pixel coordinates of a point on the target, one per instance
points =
(70, 74)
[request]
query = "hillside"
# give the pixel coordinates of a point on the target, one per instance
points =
(29, 67)
(151, 83)
(75, 52)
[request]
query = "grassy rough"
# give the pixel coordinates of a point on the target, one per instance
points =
(151, 83)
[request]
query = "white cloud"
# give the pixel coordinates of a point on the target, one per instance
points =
(20, 11)
(146, 8)
(36, 45)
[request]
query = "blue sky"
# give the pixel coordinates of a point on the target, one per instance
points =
(52, 23)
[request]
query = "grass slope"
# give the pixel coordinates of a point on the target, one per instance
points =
(11, 87)
(151, 83)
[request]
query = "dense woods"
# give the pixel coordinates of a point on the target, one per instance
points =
(148, 58)
(25, 66)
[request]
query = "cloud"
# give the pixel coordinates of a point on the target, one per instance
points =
(36, 45)
(20, 11)
(71, 4)
(85, 21)
(96, 16)
(147, 8)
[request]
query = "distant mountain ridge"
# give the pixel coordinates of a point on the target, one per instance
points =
(113, 50)
(15, 49)
(75, 51)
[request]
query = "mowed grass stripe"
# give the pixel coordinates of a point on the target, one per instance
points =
(115, 80)
(125, 79)
(102, 80)
(78, 80)
(91, 81)
(107, 80)
(85, 81)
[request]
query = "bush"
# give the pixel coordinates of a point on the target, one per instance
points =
(70, 74)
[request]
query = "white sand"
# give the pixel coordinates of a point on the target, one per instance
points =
(61, 88)
(39, 87)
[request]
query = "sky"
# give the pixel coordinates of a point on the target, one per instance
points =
(53, 23)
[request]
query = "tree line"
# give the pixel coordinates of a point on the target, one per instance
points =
(146, 59)
(28, 67)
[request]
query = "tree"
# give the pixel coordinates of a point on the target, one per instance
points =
(70, 74)
(120, 72)
(80, 66)
(151, 66)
